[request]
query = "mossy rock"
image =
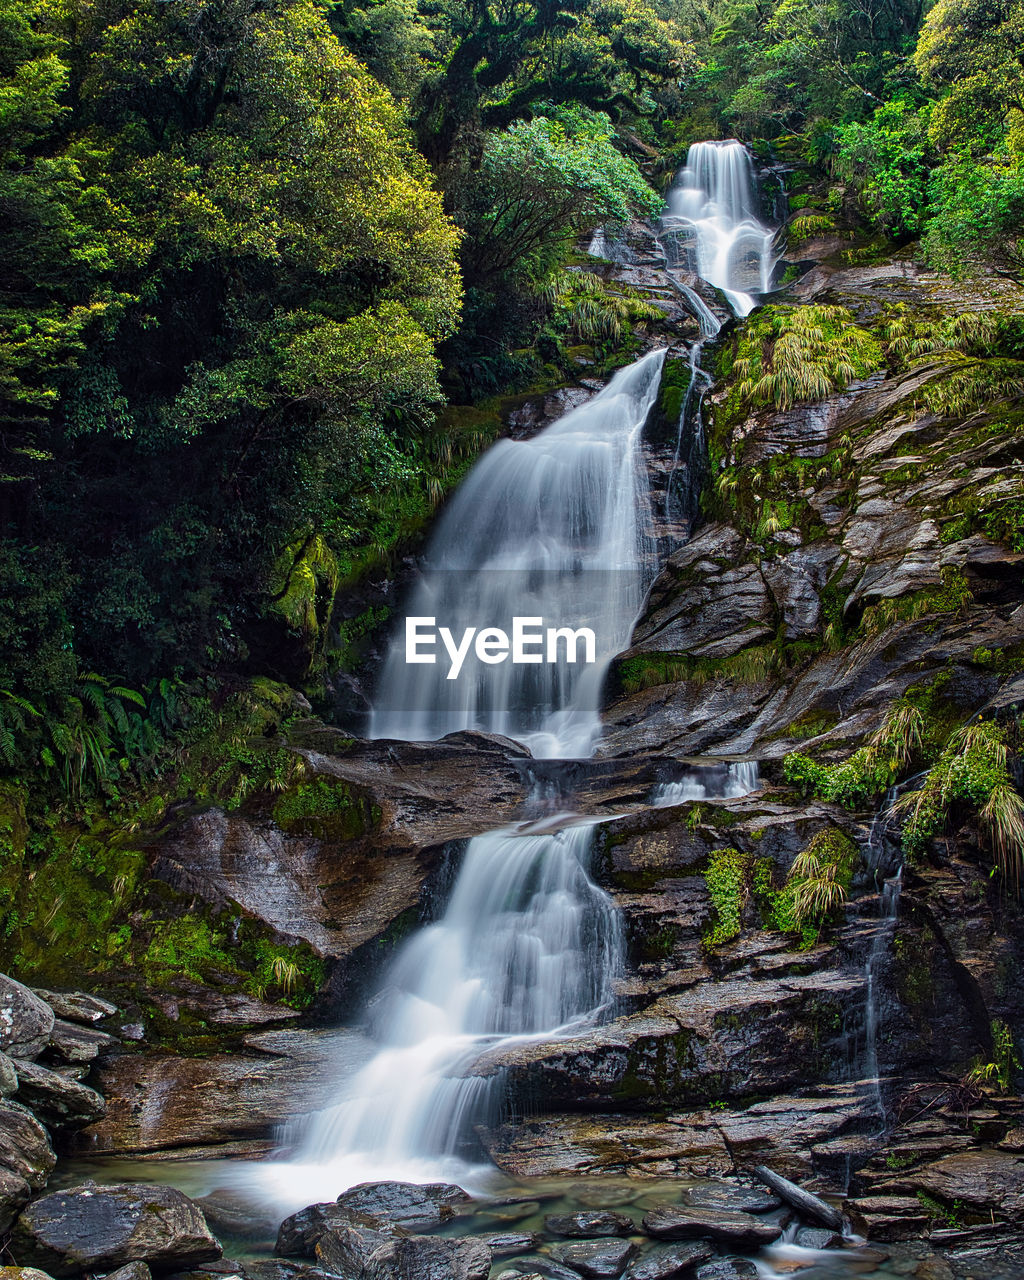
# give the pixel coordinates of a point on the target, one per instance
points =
(326, 808)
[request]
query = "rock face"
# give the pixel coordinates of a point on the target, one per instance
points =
(56, 1099)
(25, 1145)
(25, 1021)
(163, 1101)
(93, 1227)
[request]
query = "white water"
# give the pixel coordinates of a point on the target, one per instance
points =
(725, 783)
(716, 195)
(528, 948)
(556, 528)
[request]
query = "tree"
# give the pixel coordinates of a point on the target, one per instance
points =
(228, 275)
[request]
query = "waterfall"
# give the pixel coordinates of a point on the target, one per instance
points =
(711, 782)
(715, 196)
(552, 528)
(528, 947)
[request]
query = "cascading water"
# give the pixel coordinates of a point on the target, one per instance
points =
(724, 782)
(556, 528)
(716, 196)
(528, 947)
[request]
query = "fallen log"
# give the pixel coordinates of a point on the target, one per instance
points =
(804, 1202)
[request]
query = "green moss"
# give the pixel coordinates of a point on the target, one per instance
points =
(727, 877)
(952, 596)
(326, 808)
(647, 671)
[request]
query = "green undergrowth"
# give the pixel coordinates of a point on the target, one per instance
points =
(789, 355)
(804, 904)
(77, 896)
(967, 774)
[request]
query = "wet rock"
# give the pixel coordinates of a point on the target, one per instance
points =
(78, 1044)
(507, 1244)
(25, 1021)
(233, 1214)
(25, 1145)
(14, 1194)
(888, 1218)
(282, 1269)
(740, 1230)
(77, 1006)
(93, 1227)
(818, 1238)
(547, 1267)
(670, 1261)
(589, 1222)
(728, 1269)
(333, 888)
(22, 1273)
(298, 1235)
(734, 1037)
(983, 1180)
(8, 1077)
(595, 1259)
(697, 606)
(162, 1101)
(404, 1204)
(348, 1246)
(429, 1258)
(58, 1101)
(133, 1271)
(544, 1146)
(724, 1195)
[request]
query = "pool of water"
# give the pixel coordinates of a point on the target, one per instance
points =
(247, 1225)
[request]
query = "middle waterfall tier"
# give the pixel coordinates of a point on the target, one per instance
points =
(554, 530)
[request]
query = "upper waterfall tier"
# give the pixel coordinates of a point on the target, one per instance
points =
(715, 194)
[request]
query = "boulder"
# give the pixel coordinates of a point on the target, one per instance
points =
(670, 1261)
(299, 1234)
(25, 1021)
(57, 1101)
(589, 1222)
(133, 1271)
(728, 1269)
(78, 1044)
(77, 1006)
(22, 1273)
(8, 1077)
(818, 1238)
(729, 1227)
(404, 1204)
(507, 1244)
(96, 1228)
(347, 1247)
(984, 1181)
(725, 1195)
(888, 1218)
(24, 1145)
(545, 1266)
(429, 1258)
(595, 1259)
(160, 1101)
(14, 1194)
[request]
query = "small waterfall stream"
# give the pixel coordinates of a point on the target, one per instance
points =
(556, 527)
